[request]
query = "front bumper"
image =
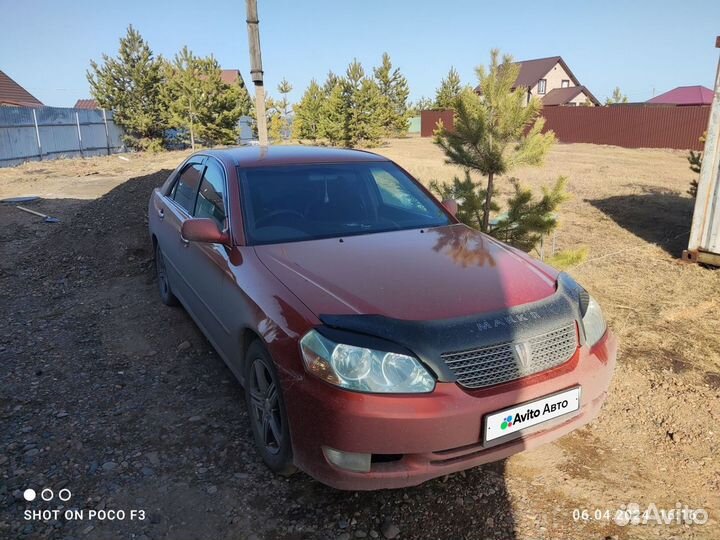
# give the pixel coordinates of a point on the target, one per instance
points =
(437, 433)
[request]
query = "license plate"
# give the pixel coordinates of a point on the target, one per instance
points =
(510, 422)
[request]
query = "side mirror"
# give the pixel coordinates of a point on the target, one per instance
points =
(203, 230)
(451, 206)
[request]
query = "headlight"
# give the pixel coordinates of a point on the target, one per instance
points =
(593, 322)
(364, 370)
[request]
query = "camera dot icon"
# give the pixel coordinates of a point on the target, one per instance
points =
(47, 494)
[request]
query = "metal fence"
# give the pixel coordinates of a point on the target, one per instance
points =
(414, 125)
(629, 126)
(429, 121)
(28, 134)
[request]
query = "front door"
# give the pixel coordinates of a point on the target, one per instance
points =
(209, 275)
(172, 210)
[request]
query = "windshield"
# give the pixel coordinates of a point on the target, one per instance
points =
(306, 202)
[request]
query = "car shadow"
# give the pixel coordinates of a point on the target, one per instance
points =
(143, 413)
(659, 216)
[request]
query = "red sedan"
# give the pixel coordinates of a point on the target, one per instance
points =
(380, 342)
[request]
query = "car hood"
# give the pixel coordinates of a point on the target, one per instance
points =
(437, 273)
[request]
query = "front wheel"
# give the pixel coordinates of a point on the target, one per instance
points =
(166, 294)
(266, 410)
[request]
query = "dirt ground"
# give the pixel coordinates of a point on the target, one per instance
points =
(119, 399)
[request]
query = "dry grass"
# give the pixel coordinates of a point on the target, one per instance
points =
(568, 258)
(631, 210)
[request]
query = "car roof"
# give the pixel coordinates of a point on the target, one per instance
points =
(260, 156)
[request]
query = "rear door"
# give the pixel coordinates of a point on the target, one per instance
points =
(172, 210)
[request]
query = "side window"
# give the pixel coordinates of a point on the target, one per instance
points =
(542, 86)
(185, 190)
(211, 198)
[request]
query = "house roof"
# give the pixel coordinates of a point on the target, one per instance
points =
(531, 71)
(562, 96)
(231, 76)
(11, 93)
(86, 104)
(684, 95)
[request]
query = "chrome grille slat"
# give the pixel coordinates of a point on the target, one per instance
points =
(495, 364)
(473, 351)
(485, 358)
(472, 370)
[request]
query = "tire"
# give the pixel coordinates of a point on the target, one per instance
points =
(266, 410)
(166, 294)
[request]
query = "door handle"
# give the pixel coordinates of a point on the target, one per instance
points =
(161, 213)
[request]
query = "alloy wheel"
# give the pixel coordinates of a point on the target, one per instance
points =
(265, 406)
(161, 273)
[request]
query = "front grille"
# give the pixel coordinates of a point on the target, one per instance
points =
(495, 364)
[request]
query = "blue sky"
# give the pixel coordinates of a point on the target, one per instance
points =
(640, 46)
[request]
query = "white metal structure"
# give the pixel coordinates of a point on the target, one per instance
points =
(704, 244)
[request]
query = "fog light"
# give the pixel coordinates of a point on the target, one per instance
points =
(349, 461)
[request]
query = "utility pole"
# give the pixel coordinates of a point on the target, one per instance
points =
(256, 71)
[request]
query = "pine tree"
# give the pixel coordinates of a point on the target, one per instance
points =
(422, 104)
(472, 196)
(225, 104)
(528, 220)
(276, 127)
(695, 161)
(450, 89)
(244, 100)
(394, 90)
(274, 118)
(348, 110)
(330, 82)
(617, 97)
(355, 73)
(334, 112)
(525, 220)
(365, 125)
(363, 103)
(130, 85)
(271, 110)
(199, 102)
(308, 112)
(283, 105)
(284, 88)
(497, 132)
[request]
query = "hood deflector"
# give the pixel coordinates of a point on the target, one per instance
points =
(429, 339)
